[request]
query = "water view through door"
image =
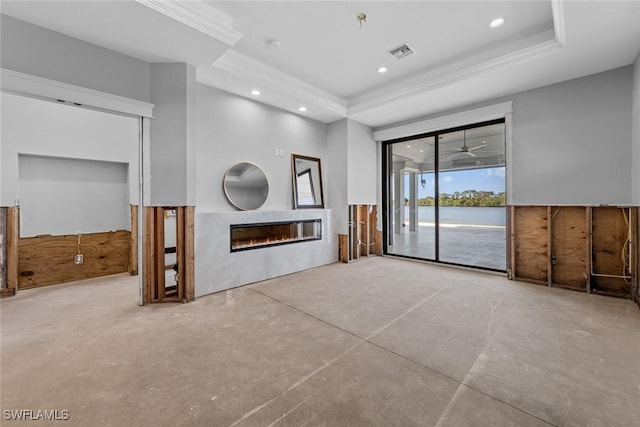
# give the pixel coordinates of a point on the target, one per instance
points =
(445, 196)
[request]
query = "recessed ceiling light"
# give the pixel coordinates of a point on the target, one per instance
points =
(302, 109)
(496, 22)
(408, 146)
(422, 151)
(255, 92)
(382, 70)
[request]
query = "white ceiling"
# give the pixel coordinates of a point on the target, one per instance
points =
(327, 61)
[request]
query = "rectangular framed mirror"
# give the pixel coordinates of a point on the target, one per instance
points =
(307, 182)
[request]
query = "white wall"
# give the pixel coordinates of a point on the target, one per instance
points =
(69, 196)
(40, 52)
(337, 170)
(361, 164)
(172, 152)
(231, 129)
(571, 141)
(635, 179)
(41, 128)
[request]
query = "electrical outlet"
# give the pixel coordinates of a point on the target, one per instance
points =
(79, 259)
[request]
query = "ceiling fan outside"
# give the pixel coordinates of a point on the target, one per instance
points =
(464, 149)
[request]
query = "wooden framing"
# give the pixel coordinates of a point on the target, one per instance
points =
(133, 242)
(363, 238)
(634, 247)
(591, 249)
(568, 247)
(189, 252)
(343, 247)
(155, 289)
(148, 269)
(13, 236)
(611, 240)
(530, 242)
(50, 260)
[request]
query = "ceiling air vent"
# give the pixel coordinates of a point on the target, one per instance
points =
(401, 51)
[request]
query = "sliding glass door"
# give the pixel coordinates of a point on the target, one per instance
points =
(445, 196)
(412, 183)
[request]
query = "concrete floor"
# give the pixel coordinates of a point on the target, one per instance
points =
(380, 342)
(474, 246)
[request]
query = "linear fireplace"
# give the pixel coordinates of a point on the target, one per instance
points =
(261, 235)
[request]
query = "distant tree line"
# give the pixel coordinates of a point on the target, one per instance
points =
(467, 198)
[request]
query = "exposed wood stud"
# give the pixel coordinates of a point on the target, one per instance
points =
(13, 235)
(550, 256)
(343, 247)
(180, 250)
(589, 249)
(511, 268)
(159, 252)
(133, 242)
(189, 253)
(149, 254)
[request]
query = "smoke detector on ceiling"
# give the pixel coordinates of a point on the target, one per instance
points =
(401, 51)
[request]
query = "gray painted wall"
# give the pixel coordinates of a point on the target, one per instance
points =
(337, 138)
(55, 56)
(571, 141)
(361, 164)
(42, 128)
(232, 129)
(172, 152)
(635, 179)
(70, 196)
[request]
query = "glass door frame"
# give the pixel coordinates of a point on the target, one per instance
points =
(386, 191)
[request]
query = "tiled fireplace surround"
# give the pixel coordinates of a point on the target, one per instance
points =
(218, 269)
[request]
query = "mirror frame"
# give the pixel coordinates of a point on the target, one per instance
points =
(226, 192)
(294, 176)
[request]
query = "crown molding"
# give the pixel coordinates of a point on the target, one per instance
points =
(265, 76)
(39, 87)
(539, 50)
(199, 16)
(557, 11)
(523, 55)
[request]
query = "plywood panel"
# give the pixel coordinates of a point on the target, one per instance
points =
(530, 234)
(610, 250)
(569, 240)
(48, 260)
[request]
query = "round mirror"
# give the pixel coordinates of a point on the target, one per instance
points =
(246, 186)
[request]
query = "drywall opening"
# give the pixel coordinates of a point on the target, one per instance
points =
(70, 196)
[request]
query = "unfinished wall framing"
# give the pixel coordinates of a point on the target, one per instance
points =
(584, 248)
(45, 260)
(363, 239)
(155, 265)
(50, 260)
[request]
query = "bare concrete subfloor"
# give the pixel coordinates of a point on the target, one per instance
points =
(380, 342)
